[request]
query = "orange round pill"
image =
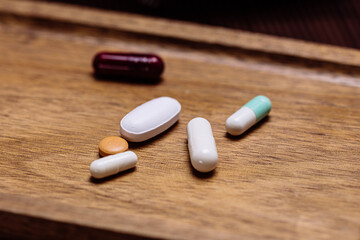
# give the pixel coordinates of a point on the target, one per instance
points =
(112, 145)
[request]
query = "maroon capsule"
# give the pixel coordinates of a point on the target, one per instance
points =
(132, 65)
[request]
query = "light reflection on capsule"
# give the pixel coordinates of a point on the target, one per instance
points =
(133, 65)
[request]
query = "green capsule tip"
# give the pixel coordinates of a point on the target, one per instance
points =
(261, 106)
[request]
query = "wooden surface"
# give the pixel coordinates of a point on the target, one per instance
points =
(151, 27)
(332, 22)
(296, 175)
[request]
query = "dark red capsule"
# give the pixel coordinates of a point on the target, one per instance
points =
(128, 65)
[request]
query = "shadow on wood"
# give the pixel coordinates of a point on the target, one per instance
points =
(112, 177)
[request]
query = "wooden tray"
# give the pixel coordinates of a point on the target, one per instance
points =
(296, 175)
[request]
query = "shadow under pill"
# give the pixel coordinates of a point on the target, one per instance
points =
(249, 131)
(112, 177)
(201, 174)
(130, 80)
(135, 145)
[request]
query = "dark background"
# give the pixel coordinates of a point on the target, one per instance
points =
(334, 22)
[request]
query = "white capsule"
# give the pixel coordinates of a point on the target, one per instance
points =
(201, 143)
(249, 114)
(150, 119)
(113, 164)
(240, 121)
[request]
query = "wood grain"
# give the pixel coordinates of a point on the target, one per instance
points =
(295, 175)
(331, 22)
(133, 23)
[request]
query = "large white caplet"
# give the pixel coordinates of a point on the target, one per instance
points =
(150, 119)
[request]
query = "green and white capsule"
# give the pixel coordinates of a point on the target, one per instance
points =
(248, 115)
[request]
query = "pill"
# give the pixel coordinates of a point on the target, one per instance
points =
(251, 113)
(132, 65)
(150, 119)
(201, 144)
(113, 164)
(112, 145)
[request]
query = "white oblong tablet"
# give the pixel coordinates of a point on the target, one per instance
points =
(150, 119)
(113, 164)
(201, 143)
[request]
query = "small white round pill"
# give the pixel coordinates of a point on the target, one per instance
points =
(201, 143)
(113, 164)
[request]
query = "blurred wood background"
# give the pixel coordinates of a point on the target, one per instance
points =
(324, 21)
(295, 175)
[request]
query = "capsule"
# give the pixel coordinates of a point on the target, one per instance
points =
(251, 113)
(113, 164)
(128, 65)
(201, 144)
